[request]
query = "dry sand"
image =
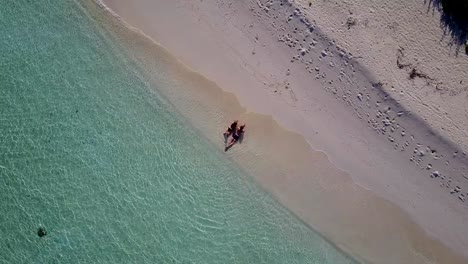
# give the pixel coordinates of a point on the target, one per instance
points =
(279, 62)
(394, 37)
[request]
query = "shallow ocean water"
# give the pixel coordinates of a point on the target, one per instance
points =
(96, 156)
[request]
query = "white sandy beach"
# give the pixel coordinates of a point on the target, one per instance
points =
(384, 174)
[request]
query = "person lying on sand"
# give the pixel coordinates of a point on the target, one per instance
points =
(231, 129)
(236, 136)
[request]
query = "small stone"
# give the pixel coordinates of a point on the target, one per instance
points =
(41, 232)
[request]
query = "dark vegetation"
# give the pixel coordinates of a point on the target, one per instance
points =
(454, 19)
(457, 9)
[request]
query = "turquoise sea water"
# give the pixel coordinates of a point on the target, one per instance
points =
(92, 154)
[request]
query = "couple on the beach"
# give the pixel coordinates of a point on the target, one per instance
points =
(235, 132)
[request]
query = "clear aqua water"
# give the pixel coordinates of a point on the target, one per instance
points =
(113, 174)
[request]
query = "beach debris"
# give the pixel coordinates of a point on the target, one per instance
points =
(350, 22)
(435, 174)
(416, 73)
(41, 232)
(429, 166)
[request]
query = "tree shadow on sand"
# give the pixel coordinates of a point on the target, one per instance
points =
(453, 20)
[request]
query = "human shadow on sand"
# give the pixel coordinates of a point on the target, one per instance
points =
(241, 138)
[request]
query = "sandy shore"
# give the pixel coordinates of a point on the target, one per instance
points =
(394, 190)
